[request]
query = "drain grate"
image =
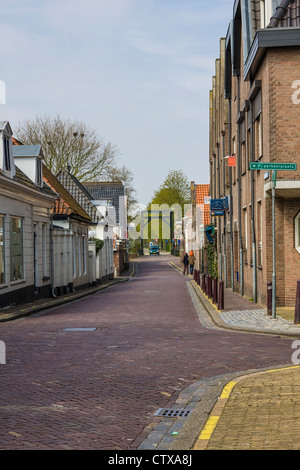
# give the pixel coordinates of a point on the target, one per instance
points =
(171, 413)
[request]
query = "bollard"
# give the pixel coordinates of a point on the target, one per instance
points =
(269, 298)
(297, 306)
(221, 296)
(215, 291)
(203, 283)
(209, 287)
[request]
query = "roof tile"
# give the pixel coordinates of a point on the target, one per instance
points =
(66, 204)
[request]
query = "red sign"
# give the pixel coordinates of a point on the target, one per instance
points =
(231, 160)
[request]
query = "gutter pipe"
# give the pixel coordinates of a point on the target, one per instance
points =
(281, 10)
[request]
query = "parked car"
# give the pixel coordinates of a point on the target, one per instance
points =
(154, 250)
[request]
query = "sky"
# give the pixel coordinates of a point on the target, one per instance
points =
(138, 72)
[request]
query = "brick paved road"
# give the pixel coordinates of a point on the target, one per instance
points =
(99, 389)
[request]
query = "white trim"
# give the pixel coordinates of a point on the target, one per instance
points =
(297, 232)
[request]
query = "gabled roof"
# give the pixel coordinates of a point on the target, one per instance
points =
(203, 190)
(65, 203)
(27, 151)
(16, 141)
(5, 125)
(107, 190)
(80, 194)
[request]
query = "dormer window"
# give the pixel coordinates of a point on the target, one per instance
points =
(6, 156)
(28, 159)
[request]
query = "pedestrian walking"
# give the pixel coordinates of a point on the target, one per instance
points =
(191, 261)
(185, 263)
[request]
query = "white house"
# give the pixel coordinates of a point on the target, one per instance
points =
(25, 208)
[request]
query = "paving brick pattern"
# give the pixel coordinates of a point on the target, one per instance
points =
(263, 413)
(100, 389)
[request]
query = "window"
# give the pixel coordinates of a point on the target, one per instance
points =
(6, 154)
(16, 249)
(38, 172)
(74, 255)
(44, 249)
(243, 146)
(259, 234)
(234, 153)
(245, 234)
(79, 257)
(84, 254)
(250, 256)
(297, 233)
(259, 136)
(2, 273)
(267, 9)
(257, 124)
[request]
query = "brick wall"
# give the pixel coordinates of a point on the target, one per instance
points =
(279, 131)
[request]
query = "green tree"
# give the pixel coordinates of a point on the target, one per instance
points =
(173, 194)
(174, 190)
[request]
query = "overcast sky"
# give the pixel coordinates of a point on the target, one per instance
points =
(137, 71)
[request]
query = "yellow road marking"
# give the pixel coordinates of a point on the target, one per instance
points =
(209, 428)
(227, 389)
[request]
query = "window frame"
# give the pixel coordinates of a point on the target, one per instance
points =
(297, 232)
(2, 250)
(22, 276)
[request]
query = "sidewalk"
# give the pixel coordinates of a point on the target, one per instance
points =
(259, 410)
(19, 311)
(241, 314)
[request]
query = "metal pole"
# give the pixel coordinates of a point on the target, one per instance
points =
(274, 248)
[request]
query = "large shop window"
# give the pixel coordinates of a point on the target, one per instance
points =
(297, 233)
(16, 249)
(2, 273)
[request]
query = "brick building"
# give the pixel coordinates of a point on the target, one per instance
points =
(255, 117)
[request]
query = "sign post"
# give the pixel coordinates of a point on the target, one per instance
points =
(273, 167)
(274, 249)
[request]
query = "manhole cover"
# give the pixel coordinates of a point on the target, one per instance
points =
(79, 329)
(171, 413)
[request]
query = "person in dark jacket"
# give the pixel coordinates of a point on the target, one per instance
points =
(185, 264)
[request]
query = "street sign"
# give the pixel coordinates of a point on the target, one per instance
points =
(216, 204)
(273, 166)
(217, 213)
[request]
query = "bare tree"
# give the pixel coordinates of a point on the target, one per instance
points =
(70, 145)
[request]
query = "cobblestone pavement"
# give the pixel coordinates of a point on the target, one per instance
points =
(139, 346)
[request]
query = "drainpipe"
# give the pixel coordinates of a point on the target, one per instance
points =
(279, 14)
(52, 256)
(219, 218)
(240, 195)
(253, 210)
(224, 218)
(231, 202)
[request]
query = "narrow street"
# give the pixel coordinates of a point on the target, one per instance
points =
(139, 345)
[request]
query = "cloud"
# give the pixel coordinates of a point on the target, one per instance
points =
(138, 71)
